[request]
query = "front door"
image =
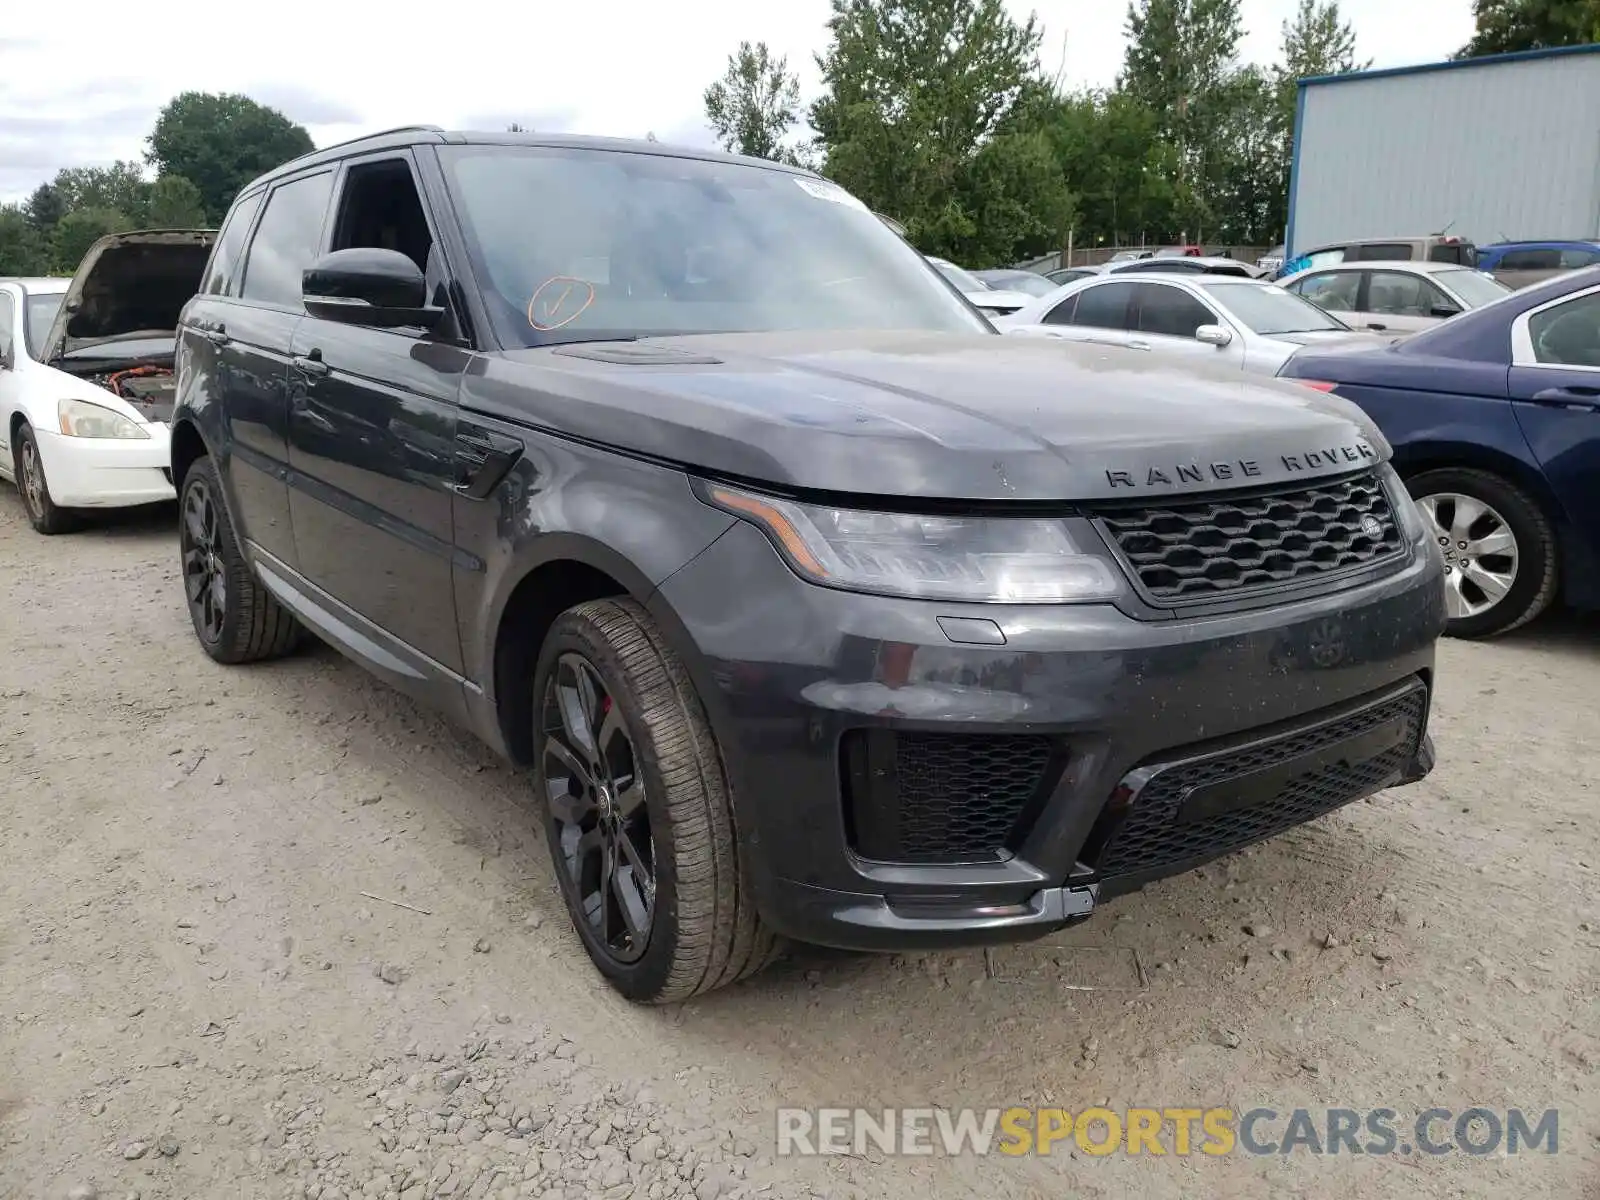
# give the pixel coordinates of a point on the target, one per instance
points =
(1165, 321)
(372, 437)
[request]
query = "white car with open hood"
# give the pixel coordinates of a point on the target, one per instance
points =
(86, 375)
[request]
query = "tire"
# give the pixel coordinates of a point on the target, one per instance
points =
(28, 470)
(1531, 564)
(236, 619)
(642, 710)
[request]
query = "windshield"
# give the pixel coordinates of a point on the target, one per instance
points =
(42, 309)
(584, 245)
(1473, 287)
(1270, 310)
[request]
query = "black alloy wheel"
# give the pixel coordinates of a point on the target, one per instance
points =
(595, 793)
(205, 576)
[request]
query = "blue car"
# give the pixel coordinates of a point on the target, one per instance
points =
(1494, 416)
(1517, 264)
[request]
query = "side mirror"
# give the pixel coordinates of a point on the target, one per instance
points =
(1377, 326)
(365, 285)
(1443, 310)
(1213, 335)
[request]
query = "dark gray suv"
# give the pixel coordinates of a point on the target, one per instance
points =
(817, 608)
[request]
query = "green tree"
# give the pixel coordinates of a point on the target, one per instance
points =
(1502, 26)
(44, 207)
(932, 110)
(121, 187)
(175, 203)
(1121, 168)
(1317, 41)
(221, 141)
(23, 250)
(80, 229)
(755, 103)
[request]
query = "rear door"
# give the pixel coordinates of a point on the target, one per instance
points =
(1097, 312)
(243, 334)
(1555, 389)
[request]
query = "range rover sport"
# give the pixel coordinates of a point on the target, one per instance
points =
(817, 609)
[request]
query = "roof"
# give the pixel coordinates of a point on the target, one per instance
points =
(1454, 64)
(1414, 266)
(45, 284)
(1540, 244)
(413, 135)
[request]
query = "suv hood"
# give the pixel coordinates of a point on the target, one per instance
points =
(129, 283)
(947, 417)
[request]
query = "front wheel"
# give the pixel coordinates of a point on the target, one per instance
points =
(637, 810)
(236, 619)
(28, 469)
(1499, 549)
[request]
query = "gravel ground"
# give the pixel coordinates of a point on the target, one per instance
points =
(276, 932)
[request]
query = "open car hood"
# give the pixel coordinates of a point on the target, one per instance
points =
(130, 283)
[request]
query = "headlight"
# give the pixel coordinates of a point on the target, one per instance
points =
(1412, 522)
(79, 418)
(1017, 560)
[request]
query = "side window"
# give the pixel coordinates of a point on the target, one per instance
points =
(1061, 314)
(1529, 260)
(1104, 307)
(8, 327)
(1567, 335)
(380, 206)
(223, 271)
(1404, 295)
(1326, 258)
(1170, 311)
(286, 241)
(1453, 252)
(1335, 291)
(1572, 260)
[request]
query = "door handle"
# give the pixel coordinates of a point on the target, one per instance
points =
(217, 335)
(1138, 344)
(1578, 398)
(310, 363)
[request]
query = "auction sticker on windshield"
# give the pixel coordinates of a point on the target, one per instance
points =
(823, 190)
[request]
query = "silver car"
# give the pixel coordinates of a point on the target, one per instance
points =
(1402, 296)
(1216, 319)
(991, 301)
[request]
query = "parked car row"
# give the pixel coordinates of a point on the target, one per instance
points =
(818, 608)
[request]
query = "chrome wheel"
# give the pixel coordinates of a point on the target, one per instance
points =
(596, 797)
(1480, 552)
(32, 476)
(205, 578)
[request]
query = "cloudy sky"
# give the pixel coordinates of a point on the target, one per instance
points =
(82, 85)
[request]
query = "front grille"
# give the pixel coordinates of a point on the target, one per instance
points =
(942, 797)
(1153, 834)
(1194, 551)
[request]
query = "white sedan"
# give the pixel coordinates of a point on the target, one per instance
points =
(1218, 319)
(1403, 296)
(86, 382)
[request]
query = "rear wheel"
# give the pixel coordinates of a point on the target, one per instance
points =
(637, 810)
(1499, 549)
(28, 467)
(236, 619)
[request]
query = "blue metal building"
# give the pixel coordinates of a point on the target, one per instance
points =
(1491, 149)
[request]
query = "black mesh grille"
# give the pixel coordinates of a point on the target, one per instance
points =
(1153, 834)
(937, 797)
(1192, 551)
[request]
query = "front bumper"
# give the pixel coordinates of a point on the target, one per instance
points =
(107, 472)
(897, 788)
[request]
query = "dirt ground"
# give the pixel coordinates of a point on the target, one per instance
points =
(205, 990)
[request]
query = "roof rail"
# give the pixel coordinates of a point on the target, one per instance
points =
(377, 133)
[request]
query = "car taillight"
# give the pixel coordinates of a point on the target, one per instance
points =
(1322, 385)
